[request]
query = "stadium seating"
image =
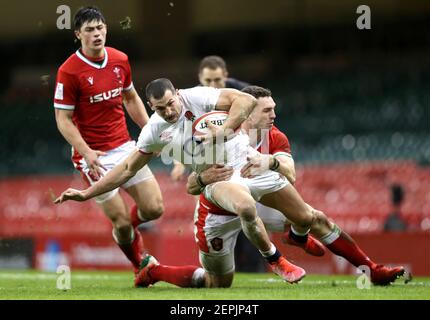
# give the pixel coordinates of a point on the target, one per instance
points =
(353, 133)
(356, 195)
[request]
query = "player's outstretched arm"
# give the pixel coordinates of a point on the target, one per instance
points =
(135, 107)
(120, 174)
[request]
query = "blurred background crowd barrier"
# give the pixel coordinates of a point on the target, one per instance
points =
(355, 105)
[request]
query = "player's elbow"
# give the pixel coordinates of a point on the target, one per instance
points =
(245, 104)
(251, 102)
(62, 127)
(62, 122)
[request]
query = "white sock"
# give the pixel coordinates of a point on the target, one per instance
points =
(293, 230)
(331, 236)
(269, 252)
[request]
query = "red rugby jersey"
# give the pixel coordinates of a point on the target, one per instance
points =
(94, 93)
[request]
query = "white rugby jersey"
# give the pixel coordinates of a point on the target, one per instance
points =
(175, 140)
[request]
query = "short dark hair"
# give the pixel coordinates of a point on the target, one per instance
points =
(257, 92)
(212, 62)
(158, 87)
(87, 14)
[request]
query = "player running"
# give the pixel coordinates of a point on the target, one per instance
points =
(91, 87)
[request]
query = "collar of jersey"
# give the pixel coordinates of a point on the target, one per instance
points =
(260, 143)
(95, 65)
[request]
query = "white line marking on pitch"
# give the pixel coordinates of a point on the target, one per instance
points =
(312, 282)
(14, 276)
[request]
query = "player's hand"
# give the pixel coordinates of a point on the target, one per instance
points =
(94, 164)
(256, 165)
(177, 172)
(217, 172)
(71, 194)
(216, 133)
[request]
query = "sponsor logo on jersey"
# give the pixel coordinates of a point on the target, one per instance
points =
(90, 80)
(59, 95)
(106, 95)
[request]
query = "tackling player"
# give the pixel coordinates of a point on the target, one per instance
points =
(217, 229)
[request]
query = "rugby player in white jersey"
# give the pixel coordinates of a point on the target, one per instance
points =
(217, 229)
(212, 221)
(175, 112)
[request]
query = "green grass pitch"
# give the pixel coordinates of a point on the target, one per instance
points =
(119, 285)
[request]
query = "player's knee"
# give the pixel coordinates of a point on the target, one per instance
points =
(306, 219)
(320, 219)
(123, 230)
(246, 210)
(153, 212)
(120, 222)
(221, 281)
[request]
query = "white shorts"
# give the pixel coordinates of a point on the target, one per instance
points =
(268, 182)
(216, 236)
(110, 160)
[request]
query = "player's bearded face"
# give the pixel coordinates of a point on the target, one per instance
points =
(93, 35)
(168, 107)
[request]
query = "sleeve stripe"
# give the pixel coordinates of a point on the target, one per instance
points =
(145, 153)
(129, 87)
(282, 154)
(64, 106)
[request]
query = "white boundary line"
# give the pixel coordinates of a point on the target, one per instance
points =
(337, 282)
(15, 276)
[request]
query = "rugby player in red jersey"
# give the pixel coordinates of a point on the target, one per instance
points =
(273, 146)
(170, 130)
(217, 229)
(91, 87)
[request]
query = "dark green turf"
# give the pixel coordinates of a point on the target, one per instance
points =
(119, 285)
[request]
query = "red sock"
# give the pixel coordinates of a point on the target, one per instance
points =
(134, 251)
(346, 247)
(135, 220)
(180, 276)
